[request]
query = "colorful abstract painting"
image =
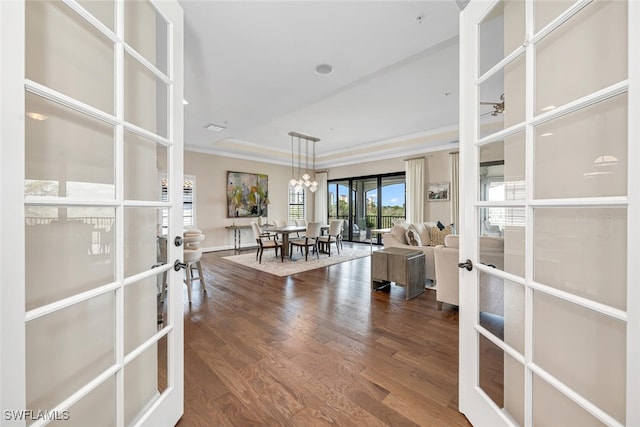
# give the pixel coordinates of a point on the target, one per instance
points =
(247, 194)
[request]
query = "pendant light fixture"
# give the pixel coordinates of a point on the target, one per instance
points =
(306, 180)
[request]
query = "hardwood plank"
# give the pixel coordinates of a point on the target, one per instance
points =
(316, 348)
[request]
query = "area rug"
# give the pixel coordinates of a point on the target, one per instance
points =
(272, 265)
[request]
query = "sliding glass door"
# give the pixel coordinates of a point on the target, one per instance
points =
(367, 203)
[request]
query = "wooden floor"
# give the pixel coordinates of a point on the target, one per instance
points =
(317, 348)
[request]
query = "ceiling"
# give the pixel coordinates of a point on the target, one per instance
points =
(250, 66)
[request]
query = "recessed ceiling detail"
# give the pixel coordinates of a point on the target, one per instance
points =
(334, 70)
(324, 69)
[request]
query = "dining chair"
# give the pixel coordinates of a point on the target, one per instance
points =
(333, 236)
(266, 233)
(310, 240)
(300, 223)
(280, 222)
(264, 242)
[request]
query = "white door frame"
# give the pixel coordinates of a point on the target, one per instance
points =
(480, 410)
(13, 316)
(12, 262)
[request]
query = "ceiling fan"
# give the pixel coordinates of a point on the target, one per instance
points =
(498, 107)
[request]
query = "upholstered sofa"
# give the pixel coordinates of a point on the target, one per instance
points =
(446, 259)
(423, 237)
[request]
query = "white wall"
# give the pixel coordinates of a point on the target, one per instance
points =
(211, 195)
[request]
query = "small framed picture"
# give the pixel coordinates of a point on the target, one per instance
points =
(438, 191)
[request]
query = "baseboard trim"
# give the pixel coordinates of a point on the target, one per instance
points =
(227, 248)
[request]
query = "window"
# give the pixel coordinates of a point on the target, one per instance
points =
(296, 203)
(188, 200)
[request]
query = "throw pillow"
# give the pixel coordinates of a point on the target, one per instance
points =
(423, 230)
(437, 236)
(440, 225)
(398, 231)
(413, 238)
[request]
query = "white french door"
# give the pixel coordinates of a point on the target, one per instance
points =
(91, 122)
(550, 143)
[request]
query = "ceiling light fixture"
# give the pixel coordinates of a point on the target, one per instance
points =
(214, 128)
(306, 180)
(185, 102)
(324, 69)
(37, 116)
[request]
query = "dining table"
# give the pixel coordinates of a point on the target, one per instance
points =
(287, 230)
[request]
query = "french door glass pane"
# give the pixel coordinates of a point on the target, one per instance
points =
(145, 164)
(146, 30)
(104, 10)
(586, 151)
(142, 229)
(67, 349)
(552, 408)
(74, 242)
(97, 409)
(163, 364)
(586, 54)
(502, 174)
(67, 154)
(593, 349)
(502, 98)
(501, 243)
(144, 381)
(500, 33)
(54, 36)
(501, 304)
(145, 98)
(501, 377)
(582, 251)
(143, 312)
(547, 10)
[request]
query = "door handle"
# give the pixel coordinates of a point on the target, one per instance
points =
(467, 264)
(178, 241)
(178, 265)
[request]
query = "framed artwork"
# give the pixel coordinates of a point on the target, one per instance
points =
(438, 191)
(247, 194)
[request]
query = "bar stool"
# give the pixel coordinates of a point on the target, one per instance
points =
(192, 254)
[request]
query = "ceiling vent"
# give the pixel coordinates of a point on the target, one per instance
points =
(215, 128)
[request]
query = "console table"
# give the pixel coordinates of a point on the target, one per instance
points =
(403, 266)
(237, 231)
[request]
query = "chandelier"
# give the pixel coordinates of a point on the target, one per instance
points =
(302, 178)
